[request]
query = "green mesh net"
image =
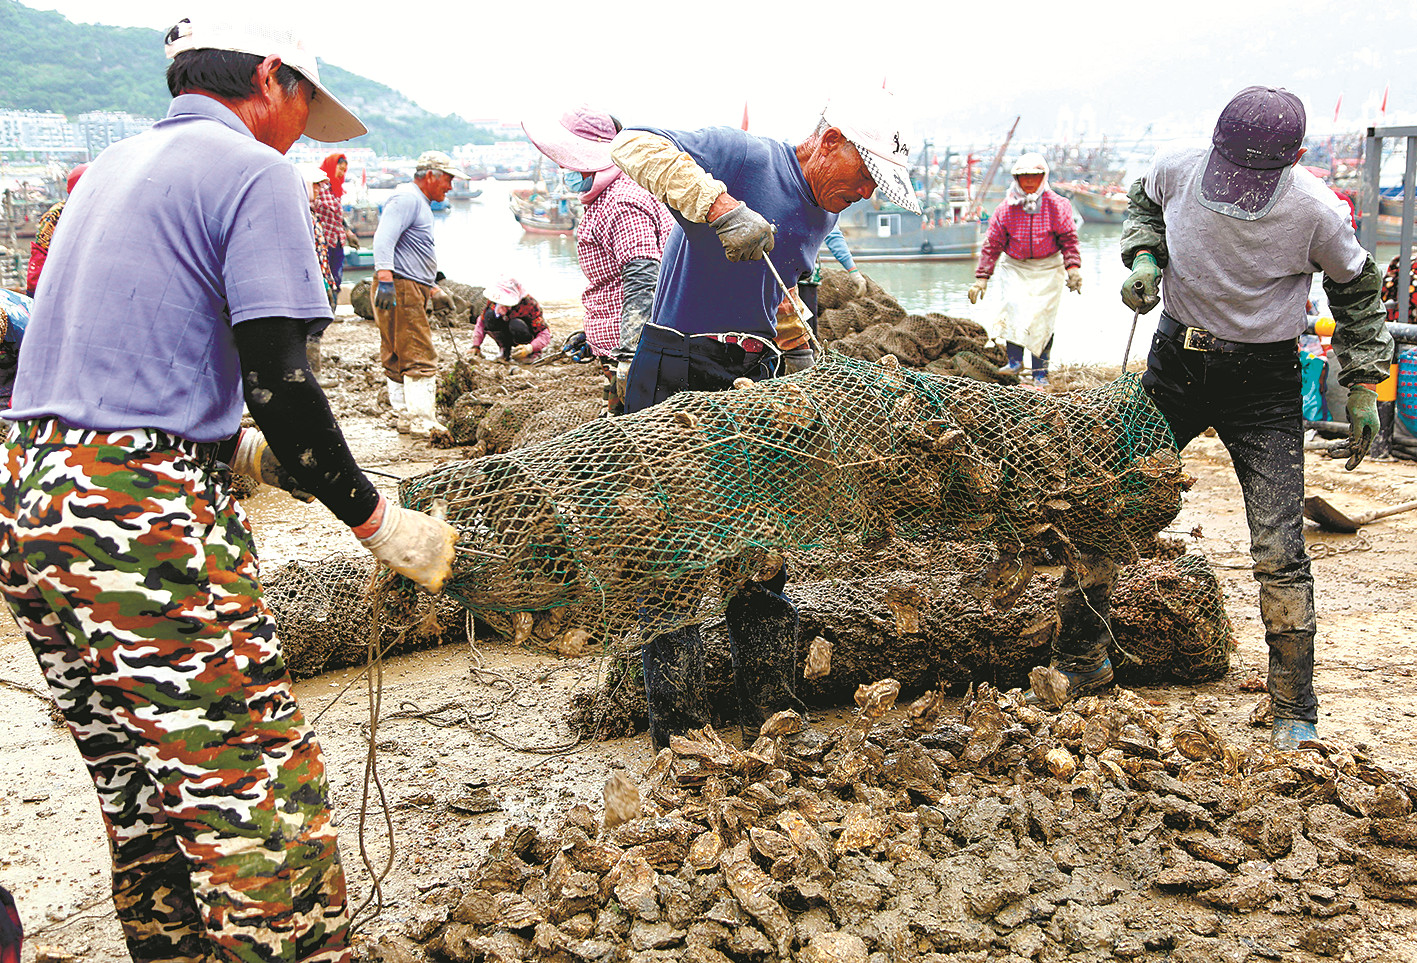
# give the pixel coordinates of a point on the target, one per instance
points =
(644, 523)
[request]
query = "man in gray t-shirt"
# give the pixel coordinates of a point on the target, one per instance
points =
(1236, 232)
(405, 277)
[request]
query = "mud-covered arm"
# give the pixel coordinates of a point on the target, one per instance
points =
(1360, 334)
(1145, 227)
(294, 415)
(639, 278)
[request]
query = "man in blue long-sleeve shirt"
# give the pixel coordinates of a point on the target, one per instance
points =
(405, 272)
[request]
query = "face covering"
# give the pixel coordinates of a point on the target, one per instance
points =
(578, 182)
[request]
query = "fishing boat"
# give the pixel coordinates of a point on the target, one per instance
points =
(363, 218)
(1095, 205)
(463, 190)
(360, 258)
(546, 212)
(880, 231)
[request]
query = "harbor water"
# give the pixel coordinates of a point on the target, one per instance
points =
(479, 240)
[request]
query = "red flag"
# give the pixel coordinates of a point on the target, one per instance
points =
(1383, 109)
(745, 115)
(1336, 106)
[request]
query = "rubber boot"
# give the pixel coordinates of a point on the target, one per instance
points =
(396, 402)
(1287, 734)
(1040, 364)
(1080, 664)
(1015, 353)
(762, 636)
(674, 684)
(423, 419)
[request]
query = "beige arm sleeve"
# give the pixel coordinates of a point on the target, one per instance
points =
(667, 172)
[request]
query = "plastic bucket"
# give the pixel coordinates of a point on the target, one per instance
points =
(1407, 388)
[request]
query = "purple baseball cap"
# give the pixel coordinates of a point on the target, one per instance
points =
(578, 140)
(1256, 142)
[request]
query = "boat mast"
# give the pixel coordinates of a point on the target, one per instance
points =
(978, 202)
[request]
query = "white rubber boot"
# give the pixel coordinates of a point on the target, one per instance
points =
(420, 393)
(396, 401)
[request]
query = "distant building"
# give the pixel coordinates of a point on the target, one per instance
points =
(36, 130)
(42, 131)
(99, 128)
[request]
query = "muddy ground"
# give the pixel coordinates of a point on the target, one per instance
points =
(471, 739)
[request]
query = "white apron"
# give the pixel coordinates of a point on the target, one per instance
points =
(1030, 292)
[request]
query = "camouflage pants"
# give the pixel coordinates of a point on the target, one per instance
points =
(132, 571)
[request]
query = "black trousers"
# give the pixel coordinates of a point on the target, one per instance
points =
(509, 334)
(761, 619)
(1252, 400)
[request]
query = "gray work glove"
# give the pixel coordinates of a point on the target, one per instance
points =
(622, 375)
(413, 544)
(1362, 424)
(977, 289)
(1075, 280)
(744, 234)
(255, 460)
(1139, 290)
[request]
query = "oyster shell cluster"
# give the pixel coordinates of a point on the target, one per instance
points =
(1109, 827)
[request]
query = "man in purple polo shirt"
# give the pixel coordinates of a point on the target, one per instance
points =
(182, 278)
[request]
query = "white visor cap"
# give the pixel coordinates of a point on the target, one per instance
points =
(871, 121)
(330, 121)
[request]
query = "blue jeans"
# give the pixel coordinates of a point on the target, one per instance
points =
(1253, 401)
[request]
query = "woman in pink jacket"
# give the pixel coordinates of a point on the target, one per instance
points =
(1033, 241)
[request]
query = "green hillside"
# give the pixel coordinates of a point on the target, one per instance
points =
(49, 63)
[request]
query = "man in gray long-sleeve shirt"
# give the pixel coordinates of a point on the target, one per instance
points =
(1230, 237)
(406, 270)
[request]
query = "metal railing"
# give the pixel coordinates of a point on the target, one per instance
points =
(1370, 204)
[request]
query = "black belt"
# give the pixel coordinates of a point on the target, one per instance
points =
(210, 455)
(1199, 339)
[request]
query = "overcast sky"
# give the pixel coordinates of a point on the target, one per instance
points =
(1084, 69)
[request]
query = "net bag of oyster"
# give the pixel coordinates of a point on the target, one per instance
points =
(325, 613)
(630, 523)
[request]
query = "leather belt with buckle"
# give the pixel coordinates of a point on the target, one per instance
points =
(1199, 339)
(752, 344)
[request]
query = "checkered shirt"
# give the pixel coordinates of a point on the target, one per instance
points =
(625, 223)
(326, 209)
(1025, 237)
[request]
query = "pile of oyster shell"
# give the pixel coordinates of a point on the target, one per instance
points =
(1005, 831)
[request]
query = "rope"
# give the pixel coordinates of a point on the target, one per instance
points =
(1359, 543)
(374, 676)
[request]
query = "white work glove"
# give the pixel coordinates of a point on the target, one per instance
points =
(977, 289)
(622, 376)
(521, 351)
(1075, 280)
(255, 460)
(413, 544)
(744, 233)
(858, 281)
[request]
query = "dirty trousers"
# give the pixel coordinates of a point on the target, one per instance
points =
(405, 339)
(761, 619)
(1252, 399)
(762, 640)
(132, 571)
